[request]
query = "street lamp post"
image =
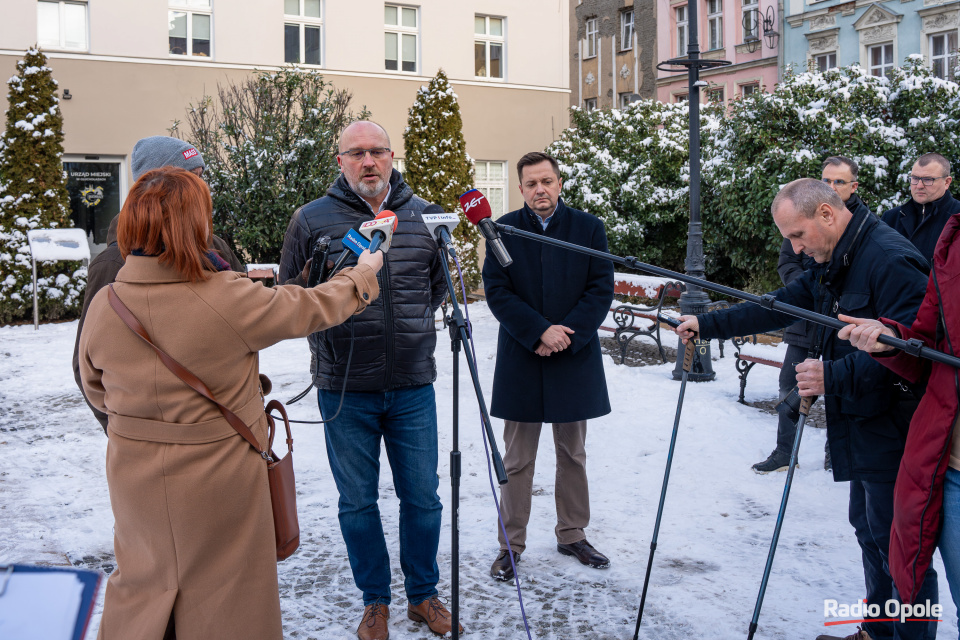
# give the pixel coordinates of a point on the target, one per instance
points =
(694, 300)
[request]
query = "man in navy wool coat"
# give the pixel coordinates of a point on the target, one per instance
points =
(550, 303)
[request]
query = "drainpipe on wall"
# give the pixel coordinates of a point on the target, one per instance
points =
(580, 73)
(780, 43)
(613, 64)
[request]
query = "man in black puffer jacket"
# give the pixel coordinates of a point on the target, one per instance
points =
(389, 387)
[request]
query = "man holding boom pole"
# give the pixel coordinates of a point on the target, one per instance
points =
(867, 270)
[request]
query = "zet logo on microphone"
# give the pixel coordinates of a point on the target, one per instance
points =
(894, 610)
(471, 204)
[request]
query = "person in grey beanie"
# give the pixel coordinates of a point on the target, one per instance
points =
(149, 153)
(161, 151)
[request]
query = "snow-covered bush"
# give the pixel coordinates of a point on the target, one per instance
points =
(270, 146)
(630, 167)
(33, 196)
(437, 166)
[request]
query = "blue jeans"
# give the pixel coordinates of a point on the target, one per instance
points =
(406, 420)
(950, 536)
(871, 514)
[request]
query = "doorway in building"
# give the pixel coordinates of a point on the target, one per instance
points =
(96, 186)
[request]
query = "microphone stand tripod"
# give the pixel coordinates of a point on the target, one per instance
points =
(459, 335)
(688, 356)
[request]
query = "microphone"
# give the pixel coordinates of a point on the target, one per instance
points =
(353, 241)
(379, 231)
(318, 268)
(441, 225)
(477, 210)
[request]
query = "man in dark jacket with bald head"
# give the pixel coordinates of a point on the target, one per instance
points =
(387, 387)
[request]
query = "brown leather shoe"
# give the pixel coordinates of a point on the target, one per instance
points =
(374, 623)
(434, 614)
(501, 569)
(585, 553)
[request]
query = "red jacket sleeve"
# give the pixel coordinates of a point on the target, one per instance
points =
(924, 328)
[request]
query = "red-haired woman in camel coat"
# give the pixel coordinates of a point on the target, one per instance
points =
(194, 536)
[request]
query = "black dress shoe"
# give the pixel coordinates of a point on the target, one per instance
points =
(501, 569)
(585, 553)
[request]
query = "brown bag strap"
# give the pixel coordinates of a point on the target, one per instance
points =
(191, 380)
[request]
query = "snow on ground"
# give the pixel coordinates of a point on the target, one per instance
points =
(719, 516)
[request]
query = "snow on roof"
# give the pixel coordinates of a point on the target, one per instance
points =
(58, 244)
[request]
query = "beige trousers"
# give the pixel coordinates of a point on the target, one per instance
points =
(570, 491)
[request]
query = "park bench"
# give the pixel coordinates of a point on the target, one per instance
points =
(751, 352)
(636, 320)
(263, 273)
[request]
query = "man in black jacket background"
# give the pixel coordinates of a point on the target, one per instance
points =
(862, 265)
(389, 392)
(921, 218)
(841, 174)
(550, 303)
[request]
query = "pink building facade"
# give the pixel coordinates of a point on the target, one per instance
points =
(745, 32)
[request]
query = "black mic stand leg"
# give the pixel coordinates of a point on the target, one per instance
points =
(688, 358)
(455, 472)
(804, 412)
(458, 336)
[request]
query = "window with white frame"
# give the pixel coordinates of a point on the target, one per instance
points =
(747, 90)
(488, 47)
(490, 177)
(591, 38)
(715, 23)
(680, 97)
(302, 34)
(590, 104)
(683, 31)
(715, 94)
(881, 59)
(826, 61)
(626, 99)
(401, 33)
(62, 25)
(190, 28)
(399, 164)
(626, 30)
(750, 20)
(943, 55)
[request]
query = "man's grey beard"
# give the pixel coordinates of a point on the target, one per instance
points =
(370, 191)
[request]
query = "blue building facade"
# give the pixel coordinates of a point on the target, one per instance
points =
(877, 35)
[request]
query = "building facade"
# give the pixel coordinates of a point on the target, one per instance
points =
(612, 52)
(745, 32)
(876, 35)
(128, 70)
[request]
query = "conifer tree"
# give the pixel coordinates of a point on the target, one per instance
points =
(438, 168)
(33, 195)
